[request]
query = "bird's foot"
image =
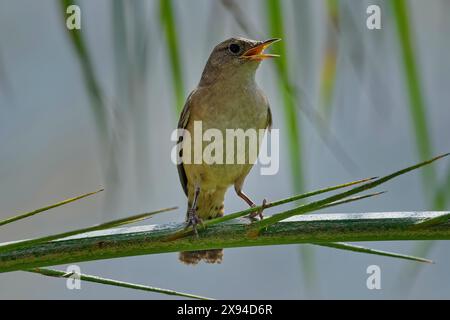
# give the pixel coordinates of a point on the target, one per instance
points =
(193, 220)
(252, 216)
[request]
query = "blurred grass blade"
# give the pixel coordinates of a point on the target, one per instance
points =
(416, 100)
(442, 194)
(89, 278)
(328, 79)
(5, 84)
(353, 248)
(312, 206)
(79, 44)
(107, 225)
(168, 24)
(276, 30)
(307, 255)
(308, 271)
(417, 110)
(34, 212)
(106, 133)
(329, 62)
(239, 16)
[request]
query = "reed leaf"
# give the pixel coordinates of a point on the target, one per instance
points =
(79, 44)
(360, 249)
(34, 212)
(239, 214)
(318, 204)
(168, 24)
(329, 62)
(417, 107)
(317, 228)
(110, 282)
(103, 226)
(276, 29)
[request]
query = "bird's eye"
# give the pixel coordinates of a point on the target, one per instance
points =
(234, 48)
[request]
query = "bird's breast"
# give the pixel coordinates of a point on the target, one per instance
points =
(234, 108)
(223, 109)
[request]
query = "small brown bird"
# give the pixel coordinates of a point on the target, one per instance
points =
(227, 97)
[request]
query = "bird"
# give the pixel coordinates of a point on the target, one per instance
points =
(227, 97)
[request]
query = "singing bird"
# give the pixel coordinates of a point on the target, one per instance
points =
(227, 97)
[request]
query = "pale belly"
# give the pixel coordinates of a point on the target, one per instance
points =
(251, 114)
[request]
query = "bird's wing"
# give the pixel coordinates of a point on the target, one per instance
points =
(182, 123)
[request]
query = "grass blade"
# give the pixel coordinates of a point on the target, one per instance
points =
(89, 278)
(276, 29)
(318, 204)
(92, 85)
(442, 194)
(352, 199)
(34, 212)
(417, 108)
(416, 100)
(103, 226)
(432, 222)
(353, 248)
(242, 213)
(168, 24)
(144, 240)
(329, 62)
(239, 16)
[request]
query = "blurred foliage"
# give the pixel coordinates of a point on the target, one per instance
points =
(274, 13)
(89, 75)
(329, 62)
(414, 87)
(168, 24)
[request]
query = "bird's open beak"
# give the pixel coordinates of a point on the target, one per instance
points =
(257, 52)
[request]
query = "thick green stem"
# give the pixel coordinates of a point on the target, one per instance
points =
(317, 228)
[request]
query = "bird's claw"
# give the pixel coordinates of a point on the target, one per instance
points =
(193, 220)
(252, 216)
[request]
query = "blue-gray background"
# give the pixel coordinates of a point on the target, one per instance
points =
(50, 150)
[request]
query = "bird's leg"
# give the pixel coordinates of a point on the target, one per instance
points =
(192, 218)
(258, 213)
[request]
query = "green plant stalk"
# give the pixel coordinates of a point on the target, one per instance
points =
(417, 105)
(418, 116)
(103, 226)
(187, 231)
(34, 212)
(329, 61)
(89, 278)
(317, 228)
(258, 226)
(443, 193)
(92, 85)
(353, 248)
(275, 20)
(168, 23)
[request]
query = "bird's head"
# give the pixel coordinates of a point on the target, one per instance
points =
(235, 57)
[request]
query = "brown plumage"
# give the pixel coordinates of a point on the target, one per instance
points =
(227, 97)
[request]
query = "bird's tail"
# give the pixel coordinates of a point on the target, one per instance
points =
(215, 210)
